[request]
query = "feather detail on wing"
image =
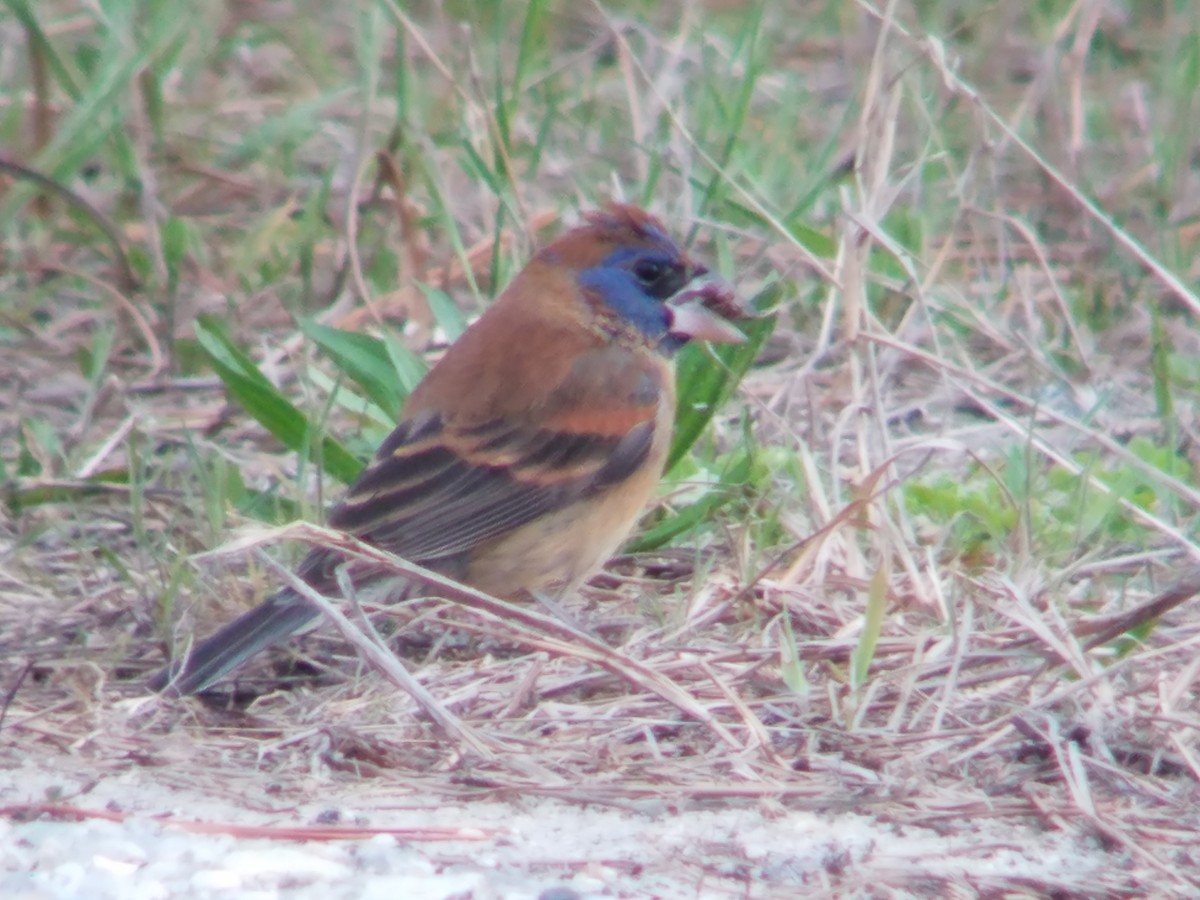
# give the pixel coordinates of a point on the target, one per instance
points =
(440, 487)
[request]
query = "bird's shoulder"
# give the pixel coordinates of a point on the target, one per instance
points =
(543, 364)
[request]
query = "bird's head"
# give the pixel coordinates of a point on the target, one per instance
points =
(639, 285)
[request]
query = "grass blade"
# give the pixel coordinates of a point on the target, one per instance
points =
(264, 402)
(364, 360)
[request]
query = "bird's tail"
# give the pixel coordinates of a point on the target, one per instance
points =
(222, 652)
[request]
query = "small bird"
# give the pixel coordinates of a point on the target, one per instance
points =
(527, 453)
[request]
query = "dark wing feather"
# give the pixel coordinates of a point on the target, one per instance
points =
(488, 480)
(437, 489)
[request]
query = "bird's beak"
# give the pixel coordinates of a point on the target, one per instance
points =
(701, 309)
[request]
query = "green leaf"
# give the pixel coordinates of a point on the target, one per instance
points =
(246, 384)
(364, 360)
(175, 240)
(19, 497)
(864, 650)
(40, 44)
(816, 242)
(790, 667)
(267, 506)
(735, 474)
(473, 164)
(92, 360)
(445, 311)
(704, 383)
(409, 367)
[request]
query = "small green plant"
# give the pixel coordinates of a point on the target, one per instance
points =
(978, 514)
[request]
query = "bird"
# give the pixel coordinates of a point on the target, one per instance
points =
(527, 453)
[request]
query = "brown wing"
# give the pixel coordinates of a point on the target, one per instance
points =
(439, 487)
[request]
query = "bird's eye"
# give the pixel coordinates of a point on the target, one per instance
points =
(648, 271)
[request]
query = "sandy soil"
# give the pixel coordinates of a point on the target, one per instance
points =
(164, 838)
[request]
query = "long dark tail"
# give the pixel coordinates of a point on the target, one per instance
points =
(218, 654)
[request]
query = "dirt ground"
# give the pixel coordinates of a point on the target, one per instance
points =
(146, 833)
(915, 616)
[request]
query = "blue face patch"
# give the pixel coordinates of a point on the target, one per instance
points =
(617, 285)
(624, 295)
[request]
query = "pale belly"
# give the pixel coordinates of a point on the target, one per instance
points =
(557, 553)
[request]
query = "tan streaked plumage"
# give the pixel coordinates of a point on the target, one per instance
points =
(527, 453)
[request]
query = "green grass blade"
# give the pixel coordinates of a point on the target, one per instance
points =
(533, 40)
(410, 368)
(724, 490)
(364, 360)
(705, 383)
(264, 402)
(445, 311)
(37, 37)
(736, 118)
(791, 669)
(864, 650)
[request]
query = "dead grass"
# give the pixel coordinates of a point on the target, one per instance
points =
(975, 313)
